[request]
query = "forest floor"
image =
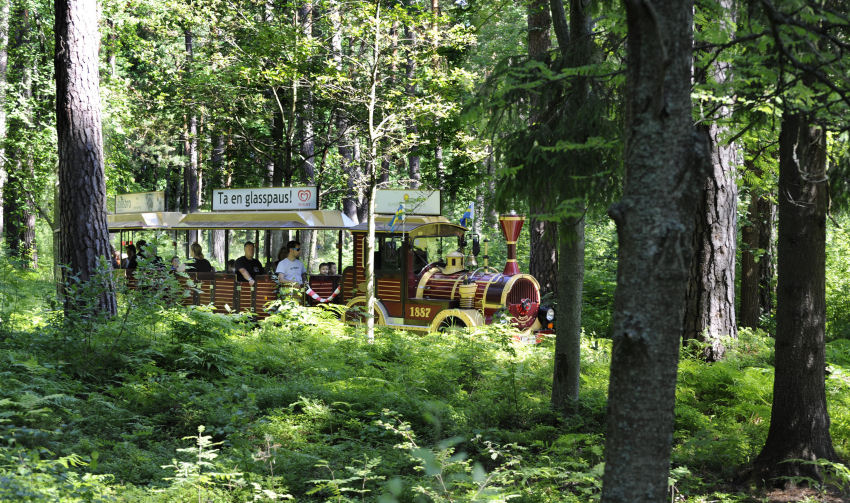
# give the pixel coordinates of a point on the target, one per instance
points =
(166, 405)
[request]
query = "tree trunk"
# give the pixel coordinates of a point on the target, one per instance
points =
(305, 123)
(710, 311)
(666, 162)
(543, 256)
(217, 161)
(345, 147)
(565, 384)
(799, 420)
(85, 236)
(413, 160)
(19, 206)
(4, 58)
(767, 264)
(190, 170)
(749, 312)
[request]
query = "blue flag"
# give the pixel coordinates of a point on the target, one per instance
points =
(468, 215)
(398, 217)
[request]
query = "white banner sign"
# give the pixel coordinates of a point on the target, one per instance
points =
(140, 202)
(416, 202)
(267, 198)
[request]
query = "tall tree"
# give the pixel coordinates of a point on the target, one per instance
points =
(799, 421)
(665, 164)
(710, 308)
(190, 170)
(19, 204)
(84, 232)
(4, 58)
(414, 162)
(543, 257)
(345, 146)
(577, 49)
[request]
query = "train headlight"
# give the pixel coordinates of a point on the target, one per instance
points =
(550, 314)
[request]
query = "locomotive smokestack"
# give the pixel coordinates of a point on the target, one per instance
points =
(511, 225)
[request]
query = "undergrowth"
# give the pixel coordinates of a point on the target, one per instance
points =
(166, 405)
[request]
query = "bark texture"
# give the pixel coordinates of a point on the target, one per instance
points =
(710, 312)
(345, 147)
(4, 58)
(85, 238)
(566, 378)
(413, 158)
(217, 160)
(543, 256)
(19, 208)
(749, 311)
(665, 163)
(565, 383)
(799, 421)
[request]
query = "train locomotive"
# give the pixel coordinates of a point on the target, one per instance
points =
(416, 294)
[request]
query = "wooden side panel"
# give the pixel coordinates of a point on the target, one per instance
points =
(348, 284)
(389, 292)
(185, 295)
(225, 292)
(245, 297)
(265, 292)
(204, 281)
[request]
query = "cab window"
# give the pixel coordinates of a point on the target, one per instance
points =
(389, 253)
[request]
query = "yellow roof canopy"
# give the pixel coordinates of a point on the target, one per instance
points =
(142, 221)
(415, 226)
(265, 220)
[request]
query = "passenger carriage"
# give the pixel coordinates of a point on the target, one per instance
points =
(423, 278)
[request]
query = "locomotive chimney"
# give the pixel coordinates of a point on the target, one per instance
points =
(511, 225)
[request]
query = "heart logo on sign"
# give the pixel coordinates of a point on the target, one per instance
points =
(304, 195)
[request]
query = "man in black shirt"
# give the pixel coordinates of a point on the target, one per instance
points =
(247, 266)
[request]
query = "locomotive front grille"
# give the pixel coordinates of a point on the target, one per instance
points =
(523, 289)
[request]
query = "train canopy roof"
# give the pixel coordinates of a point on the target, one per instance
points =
(265, 220)
(415, 226)
(142, 221)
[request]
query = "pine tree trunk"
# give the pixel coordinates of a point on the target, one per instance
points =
(565, 383)
(19, 206)
(217, 161)
(85, 236)
(666, 162)
(191, 144)
(767, 264)
(543, 256)
(345, 147)
(749, 312)
(4, 58)
(414, 167)
(710, 311)
(799, 420)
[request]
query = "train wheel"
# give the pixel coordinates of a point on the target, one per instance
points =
(356, 308)
(451, 324)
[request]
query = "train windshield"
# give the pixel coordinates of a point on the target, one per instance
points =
(428, 249)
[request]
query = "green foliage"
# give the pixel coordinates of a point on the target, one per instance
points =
(304, 406)
(837, 278)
